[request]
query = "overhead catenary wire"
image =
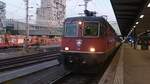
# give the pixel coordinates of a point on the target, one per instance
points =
(14, 5)
(14, 12)
(17, 10)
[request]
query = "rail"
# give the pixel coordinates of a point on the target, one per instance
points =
(17, 62)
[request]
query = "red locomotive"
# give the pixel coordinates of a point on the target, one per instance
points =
(87, 42)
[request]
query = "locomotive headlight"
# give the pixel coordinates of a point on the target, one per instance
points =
(92, 49)
(66, 48)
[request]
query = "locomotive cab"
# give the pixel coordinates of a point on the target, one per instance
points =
(86, 34)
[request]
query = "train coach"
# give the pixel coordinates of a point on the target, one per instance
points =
(9, 41)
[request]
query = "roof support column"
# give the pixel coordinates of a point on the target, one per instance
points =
(135, 38)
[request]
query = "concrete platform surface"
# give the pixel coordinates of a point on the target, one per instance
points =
(136, 66)
(133, 67)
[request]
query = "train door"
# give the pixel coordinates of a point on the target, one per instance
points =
(105, 35)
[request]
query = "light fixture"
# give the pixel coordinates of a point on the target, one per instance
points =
(134, 26)
(137, 23)
(148, 30)
(142, 16)
(79, 22)
(92, 49)
(66, 48)
(148, 5)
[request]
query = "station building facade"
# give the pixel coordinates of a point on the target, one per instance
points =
(16, 27)
(51, 13)
(2, 15)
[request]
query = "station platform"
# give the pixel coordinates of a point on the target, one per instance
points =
(132, 67)
(136, 65)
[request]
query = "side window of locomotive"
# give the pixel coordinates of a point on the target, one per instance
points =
(1, 40)
(102, 29)
(70, 30)
(105, 29)
(91, 29)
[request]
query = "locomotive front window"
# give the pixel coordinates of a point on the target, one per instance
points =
(70, 30)
(91, 29)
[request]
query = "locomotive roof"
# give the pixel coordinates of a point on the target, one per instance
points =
(89, 18)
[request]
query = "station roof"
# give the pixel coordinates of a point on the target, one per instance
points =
(128, 12)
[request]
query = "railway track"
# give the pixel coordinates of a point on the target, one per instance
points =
(6, 50)
(72, 78)
(17, 62)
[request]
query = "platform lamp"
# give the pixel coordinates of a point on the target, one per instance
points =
(148, 5)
